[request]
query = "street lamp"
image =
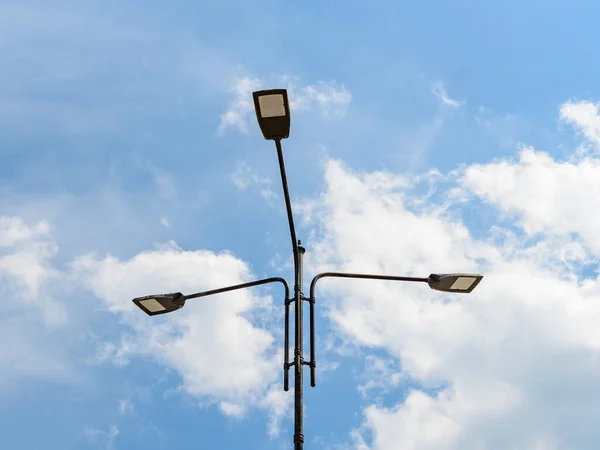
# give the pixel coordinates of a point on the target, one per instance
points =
(273, 114)
(160, 304)
(455, 282)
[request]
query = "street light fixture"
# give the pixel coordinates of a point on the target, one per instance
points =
(455, 282)
(273, 114)
(160, 304)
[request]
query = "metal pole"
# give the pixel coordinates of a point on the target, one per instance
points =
(288, 203)
(298, 358)
(298, 299)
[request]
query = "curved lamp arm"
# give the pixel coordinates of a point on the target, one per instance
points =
(286, 337)
(242, 286)
(313, 283)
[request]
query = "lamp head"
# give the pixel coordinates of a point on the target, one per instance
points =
(454, 282)
(273, 113)
(160, 304)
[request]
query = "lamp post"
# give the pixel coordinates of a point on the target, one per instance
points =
(273, 114)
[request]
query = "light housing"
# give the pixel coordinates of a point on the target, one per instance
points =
(454, 282)
(273, 113)
(160, 304)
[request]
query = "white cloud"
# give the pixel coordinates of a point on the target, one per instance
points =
(547, 196)
(518, 360)
(25, 254)
(244, 177)
(268, 195)
(125, 406)
(31, 313)
(14, 231)
(424, 422)
(380, 374)
(220, 355)
(440, 92)
(329, 99)
(279, 403)
(242, 104)
(584, 116)
(231, 409)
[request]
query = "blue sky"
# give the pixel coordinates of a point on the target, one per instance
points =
(428, 137)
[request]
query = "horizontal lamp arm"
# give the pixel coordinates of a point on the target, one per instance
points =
(359, 275)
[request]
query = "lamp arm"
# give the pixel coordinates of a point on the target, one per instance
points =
(286, 345)
(313, 283)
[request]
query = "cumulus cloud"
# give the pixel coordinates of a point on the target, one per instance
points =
(518, 360)
(328, 98)
(220, 347)
(543, 194)
(219, 353)
(516, 363)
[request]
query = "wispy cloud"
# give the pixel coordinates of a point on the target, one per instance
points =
(329, 98)
(25, 265)
(245, 177)
(47, 49)
(125, 406)
(164, 182)
(278, 403)
(440, 92)
(242, 104)
(104, 438)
